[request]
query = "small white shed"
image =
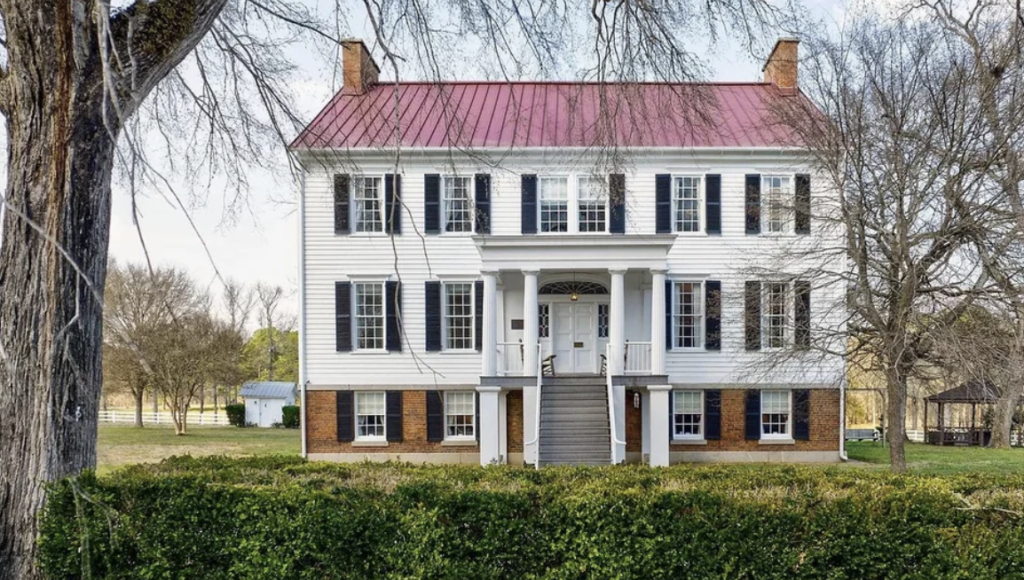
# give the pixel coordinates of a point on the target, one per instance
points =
(264, 401)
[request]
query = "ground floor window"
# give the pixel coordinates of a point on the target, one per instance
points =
(775, 415)
(688, 415)
(370, 416)
(543, 320)
(460, 415)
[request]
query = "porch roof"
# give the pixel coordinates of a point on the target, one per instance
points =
(577, 252)
(969, 392)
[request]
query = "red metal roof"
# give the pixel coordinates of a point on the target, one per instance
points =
(552, 114)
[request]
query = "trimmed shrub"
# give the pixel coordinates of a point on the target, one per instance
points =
(290, 417)
(236, 414)
(280, 517)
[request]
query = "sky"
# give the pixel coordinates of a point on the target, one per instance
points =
(262, 244)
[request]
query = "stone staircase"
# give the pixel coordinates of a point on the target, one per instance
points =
(574, 421)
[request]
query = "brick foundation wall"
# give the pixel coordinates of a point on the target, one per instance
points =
(634, 425)
(322, 433)
(514, 421)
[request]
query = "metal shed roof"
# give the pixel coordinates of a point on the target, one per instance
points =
(268, 390)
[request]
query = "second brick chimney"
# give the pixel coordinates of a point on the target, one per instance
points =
(781, 67)
(359, 71)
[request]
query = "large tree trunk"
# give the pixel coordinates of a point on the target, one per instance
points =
(896, 418)
(1002, 418)
(139, 401)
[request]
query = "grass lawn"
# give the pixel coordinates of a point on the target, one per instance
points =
(121, 444)
(934, 460)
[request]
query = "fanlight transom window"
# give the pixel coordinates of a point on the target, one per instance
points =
(573, 287)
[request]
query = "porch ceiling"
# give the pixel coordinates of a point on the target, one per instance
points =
(543, 252)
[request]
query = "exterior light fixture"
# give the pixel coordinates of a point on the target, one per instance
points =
(574, 296)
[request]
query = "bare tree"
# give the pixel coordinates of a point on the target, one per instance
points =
(269, 298)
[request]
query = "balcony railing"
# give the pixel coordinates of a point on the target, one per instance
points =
(510, 359)
(637, 358)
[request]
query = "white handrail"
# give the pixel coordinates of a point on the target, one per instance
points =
(611, 405)
(536, 420)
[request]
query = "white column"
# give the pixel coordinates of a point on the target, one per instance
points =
(658, 322)
(490, 425)
(530, 330)
(657, 418)
(489, 363)
(620, 402)
(645, 423)
(530, 419)
(617, 322)
(503, 426)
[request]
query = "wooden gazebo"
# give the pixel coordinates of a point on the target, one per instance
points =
(973, 393)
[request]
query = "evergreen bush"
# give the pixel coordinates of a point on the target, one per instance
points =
(236, 414)
(290, 416)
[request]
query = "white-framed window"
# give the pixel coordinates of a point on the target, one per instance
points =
(367, 204)
(553, 197)
(370, 416)
(369, 315)
(459, 320)
(774, 315)
(688, 415)
(777, 195)
(686, 197)
(592, 203)
(603, 320)
(459, 415)
(457, 203)
(688, 314)
(776, 415)
(543, 320)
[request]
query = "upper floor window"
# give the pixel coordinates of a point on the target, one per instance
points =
(688, 315)
(458, 316)
(773, 321)
(593, 204)
(459, 415)
(777, 192)
(368, 204)
(369, 318)
(370, 416)
(554, 204)
(686, 203)
(775, 415)
(457, 204)
(688, 415)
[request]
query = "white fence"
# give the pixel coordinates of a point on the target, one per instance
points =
(163, 418)
(510, 358)
(638, 358)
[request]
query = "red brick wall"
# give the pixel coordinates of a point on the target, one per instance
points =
(634, 426)
(514, 421)
(322, 434)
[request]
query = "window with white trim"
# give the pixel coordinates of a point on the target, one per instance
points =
(459, 415)
(773, 316)
(688, 415)
(370, 416)
(458, 316)
(457, 201)
(543, 320)
(603, 318)
(592, 201)
(688, 314)
(369, 315)
(777, 193)
(553, 204)
(775, 415)
(367, 204)
(686, 203)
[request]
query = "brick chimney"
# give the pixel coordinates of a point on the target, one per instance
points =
(781, 67)
(359, 71)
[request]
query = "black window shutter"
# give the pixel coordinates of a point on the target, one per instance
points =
(346, 427)
(713, 315)
(802, 222)
(617, 203)
(713, 415)
(752, 315)
(663, 203)
(802, 414)
(802, 314)
(482, 224)
(753, 204)
(478, 312)
(393, 310)
(713, 203)
(432, 308)
(670, 331)
(528, 207)
(341, 187)
(432, 203)
(393, 420)
(393, 202)
(435, 416)
(753, 414)
(476, 407)
(343, 316)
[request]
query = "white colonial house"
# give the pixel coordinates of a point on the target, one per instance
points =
(549, 272)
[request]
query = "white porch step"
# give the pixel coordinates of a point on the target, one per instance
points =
(574, 426)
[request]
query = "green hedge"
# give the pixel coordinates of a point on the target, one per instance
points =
(269, 518)
(290, 417)
(236, 414)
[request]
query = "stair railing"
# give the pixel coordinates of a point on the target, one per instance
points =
(611, 407)
(536, 421)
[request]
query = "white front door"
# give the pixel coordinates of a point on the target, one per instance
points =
(573, 335)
